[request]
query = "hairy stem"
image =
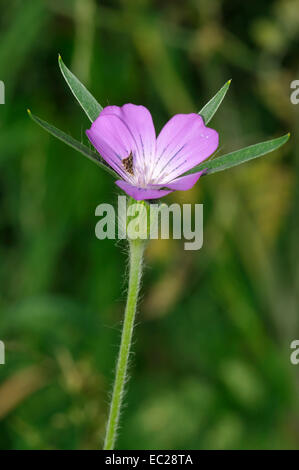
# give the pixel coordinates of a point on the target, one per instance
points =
(136, 256)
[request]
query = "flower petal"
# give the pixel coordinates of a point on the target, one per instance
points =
(184, 182)
(112, 140)
(139, 194)
(183, 142)
(118, 131)
(139, 123)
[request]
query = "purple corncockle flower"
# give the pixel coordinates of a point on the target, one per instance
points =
(151, 167)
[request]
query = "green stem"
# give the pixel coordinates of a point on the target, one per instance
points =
(136, 256)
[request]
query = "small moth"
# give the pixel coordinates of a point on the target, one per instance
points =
(128, 164)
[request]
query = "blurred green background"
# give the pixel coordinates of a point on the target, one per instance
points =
(211, 364)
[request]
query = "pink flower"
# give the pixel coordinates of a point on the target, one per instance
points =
(151, 167)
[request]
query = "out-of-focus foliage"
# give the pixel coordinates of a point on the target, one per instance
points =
(211, 368)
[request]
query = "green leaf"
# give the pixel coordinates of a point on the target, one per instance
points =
(89, 104)
(240, 156)
(208, 111)
(75, 144)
